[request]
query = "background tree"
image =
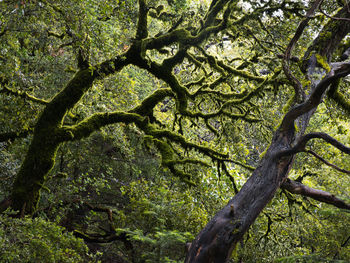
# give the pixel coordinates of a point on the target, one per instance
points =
(211, 84)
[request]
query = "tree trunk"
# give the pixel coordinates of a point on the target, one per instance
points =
(218, 238)
(42, 151)
(214, 244)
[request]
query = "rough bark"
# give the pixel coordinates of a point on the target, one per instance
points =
(217, 239)
(214, 244)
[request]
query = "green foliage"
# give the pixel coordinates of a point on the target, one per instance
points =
(119, 168)
(37, 240)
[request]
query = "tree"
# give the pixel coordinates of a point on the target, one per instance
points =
(209, 93)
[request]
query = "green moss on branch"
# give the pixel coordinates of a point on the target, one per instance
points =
(339, 98)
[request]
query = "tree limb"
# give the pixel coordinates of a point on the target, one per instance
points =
(23, 94)
(285, 62)
(142, 32)
(337, 71)
(339, 97)
(319, 195)
(328, 163)
(333, 17)
(300, 145)
(14, 135)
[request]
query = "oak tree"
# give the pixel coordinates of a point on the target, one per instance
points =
(213, 67)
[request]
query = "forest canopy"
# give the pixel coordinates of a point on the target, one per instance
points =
(172, 131)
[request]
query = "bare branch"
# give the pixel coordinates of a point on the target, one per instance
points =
(98, 238)
(328, 163)
(319, 195)
(327, 138)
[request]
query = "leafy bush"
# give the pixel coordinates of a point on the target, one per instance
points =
(37, 240)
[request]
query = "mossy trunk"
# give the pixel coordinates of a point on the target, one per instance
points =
(40, 157)
(33, 173)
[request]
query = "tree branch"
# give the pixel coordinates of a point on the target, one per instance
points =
(339, 97)
(285, 62)
(319, 195)
(337, 71)
(328, 163)
(333, 17)
(14, 135)
(142, 21)
(184, 37)
(148, 104)
(300, 146)
(23, 94)
(110, 235)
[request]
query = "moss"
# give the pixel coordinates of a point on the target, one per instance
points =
(147, 105)
(33, 173)
(182, 141)
(213, 62)
(289, 103)
(339, 98)
(165, 150)
(322, 61)
(306, 83)
(264, 152)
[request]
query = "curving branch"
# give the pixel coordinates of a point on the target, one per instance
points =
(333, 17)
(327, 163)
(98, 120)
(337, 71)
(148, 104)
(23, 94)
(220, 66)
(339, 97)
(109, 235)
(246, 166)
(269, 9)
(301, 144)
(329, 139)
(185, 38)
(319, 195)
(300, 94)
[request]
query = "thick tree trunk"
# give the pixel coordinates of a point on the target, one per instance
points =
(41, 155)
(218, 238)
(49, 134)
(214, 244)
